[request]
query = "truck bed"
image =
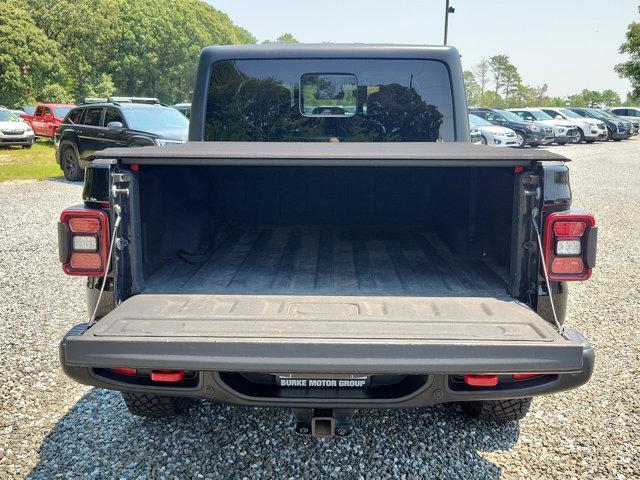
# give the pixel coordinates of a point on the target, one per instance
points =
(298, 260)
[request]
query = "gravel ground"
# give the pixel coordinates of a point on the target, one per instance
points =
(51, 427)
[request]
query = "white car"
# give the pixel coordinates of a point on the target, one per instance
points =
(589, 129)
(564, 131)
(491, 134)
(13, 131)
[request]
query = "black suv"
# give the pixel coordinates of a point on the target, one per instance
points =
(527, 133)
(115, 122)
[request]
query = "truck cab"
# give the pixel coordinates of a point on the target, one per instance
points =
(328, 240)
(47, 117)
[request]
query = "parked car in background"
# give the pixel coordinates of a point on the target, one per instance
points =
(18, 113)
(184, 108)
(533, 134)
(625, 112)
(617, 129)
(564, 132)
(634, 121)
(631, 114)
(14, 131)
(491, 134)
(589, 129)
(117, 122)
(47, 117)
(476, 137)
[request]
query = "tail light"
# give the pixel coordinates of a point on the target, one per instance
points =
(83, 241)
(570, 245)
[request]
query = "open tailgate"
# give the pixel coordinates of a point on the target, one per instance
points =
(325, 335)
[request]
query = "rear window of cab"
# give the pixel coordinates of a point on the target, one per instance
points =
(346, 100)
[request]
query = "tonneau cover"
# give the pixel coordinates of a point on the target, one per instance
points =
(326, 153)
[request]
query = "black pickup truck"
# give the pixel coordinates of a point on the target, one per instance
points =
(328, 240)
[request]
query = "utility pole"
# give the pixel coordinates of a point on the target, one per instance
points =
(447, 11)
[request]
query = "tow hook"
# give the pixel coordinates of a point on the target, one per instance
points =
(324, 422)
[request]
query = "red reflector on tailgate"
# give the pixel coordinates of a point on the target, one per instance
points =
(481, 380)
(524, 376)
(125, 371)
(166, 376)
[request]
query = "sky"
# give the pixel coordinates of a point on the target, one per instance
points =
(570, 45)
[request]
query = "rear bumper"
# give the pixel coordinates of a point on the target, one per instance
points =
(431, 373)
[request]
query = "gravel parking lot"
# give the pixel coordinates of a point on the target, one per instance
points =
(51, 427)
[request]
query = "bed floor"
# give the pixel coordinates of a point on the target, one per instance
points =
(328, 261)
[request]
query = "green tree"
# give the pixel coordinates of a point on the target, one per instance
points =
(609, 98)
(557, 102)
(577, 100)
(511, 80)
(471, 88)
(133, 47)
(631, 68)
(498, 65)
(284, 38)
(482, 71)
(29, 61)
(491, 99)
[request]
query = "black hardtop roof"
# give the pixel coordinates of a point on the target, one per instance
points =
(326, 153)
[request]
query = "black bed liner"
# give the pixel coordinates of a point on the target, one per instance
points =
(321, 260)
(325, 153)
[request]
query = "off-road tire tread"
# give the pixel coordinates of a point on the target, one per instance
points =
(149, 405)
(498, 410)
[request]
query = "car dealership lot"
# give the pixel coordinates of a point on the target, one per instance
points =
(50, 425)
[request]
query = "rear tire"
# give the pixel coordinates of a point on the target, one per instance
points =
(70, 165)
(150, 405)
(498, 410)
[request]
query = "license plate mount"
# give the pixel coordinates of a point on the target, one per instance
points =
(348, 382)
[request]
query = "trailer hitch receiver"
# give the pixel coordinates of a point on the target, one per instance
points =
(323, 422)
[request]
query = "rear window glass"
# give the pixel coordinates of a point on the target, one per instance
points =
(323, 100)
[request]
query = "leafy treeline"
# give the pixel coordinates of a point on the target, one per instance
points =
(631, 68)
(496, 83)
(66, 50)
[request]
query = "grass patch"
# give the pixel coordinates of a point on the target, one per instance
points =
(39, 162)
